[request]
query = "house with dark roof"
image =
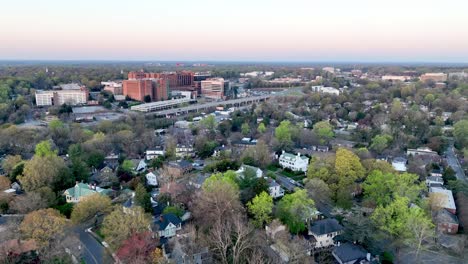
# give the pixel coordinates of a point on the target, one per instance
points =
(179, 168)
(446, 222)
(167, 225)
(323, 232)
(348, 253)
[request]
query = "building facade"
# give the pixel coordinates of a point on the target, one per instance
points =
(60, 97)
(214, 88)
(294, 162)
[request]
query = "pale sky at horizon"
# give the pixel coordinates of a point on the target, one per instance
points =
(235, 30)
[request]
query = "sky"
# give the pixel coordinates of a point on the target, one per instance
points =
(235, 30)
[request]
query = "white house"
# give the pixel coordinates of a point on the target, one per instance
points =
(154, 153)
(184, 151)
(324, 231)
(243, 168)
(167, 225)
(294, 162)
(274, 189)
(399, 164)
(151, 179)
(323, 89)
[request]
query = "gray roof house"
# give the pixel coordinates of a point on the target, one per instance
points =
(167, 225)
(348, 253)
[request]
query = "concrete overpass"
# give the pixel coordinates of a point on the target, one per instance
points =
(201, 107)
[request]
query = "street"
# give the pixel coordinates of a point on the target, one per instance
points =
(453, 162)
(93, 251)
(286, 183)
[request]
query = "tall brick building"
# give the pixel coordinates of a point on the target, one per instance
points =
(157, 85)
(140, 84)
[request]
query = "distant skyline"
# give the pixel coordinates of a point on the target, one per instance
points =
(241, 30)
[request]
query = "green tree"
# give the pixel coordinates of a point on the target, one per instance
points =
(119, 225)
(89, 207)
(283, 133)
(245, 129)
(378, 187)
(177, 210)
(382, 188)
(348, 166)
(229, 177)
(380, 142)
(127, 166)
(380, 165)
(324, 131)
(261, 128)
(44, 149)
(460, 131)
(143, 198)
(209, 122)
(407, 225)
(261, 207)
(42, 171)
(429, 98)
(294, 209)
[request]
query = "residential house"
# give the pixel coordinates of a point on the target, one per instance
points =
(446, 221)
(348, 253)
(112, 160)
(167, 225)
(422, 152)
(293, 162)
(243, 168)
(244, 143)
(184, 151)
(179, 168)
(323, 148)
(436, 173)
(198, 180)
(154, 153)
(105, 176)
(431, 180)
(399, 164)
(151, 179)
(81, 190)
(183, 249)
(274, 189)
(443, 197)
(324, 231)
(139, 166)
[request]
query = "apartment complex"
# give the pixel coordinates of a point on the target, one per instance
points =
(215, 88)
(60, 97)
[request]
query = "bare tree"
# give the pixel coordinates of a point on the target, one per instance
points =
(24, 204)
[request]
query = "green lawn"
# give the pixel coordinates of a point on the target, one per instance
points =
(272, 167)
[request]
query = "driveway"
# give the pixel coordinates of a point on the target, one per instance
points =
(93, 251)
(287, 183)
(453, 162)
